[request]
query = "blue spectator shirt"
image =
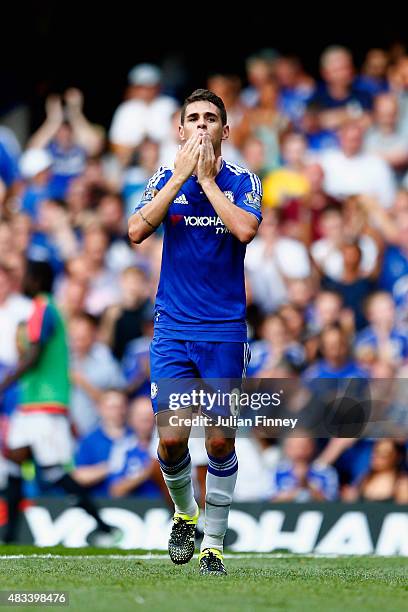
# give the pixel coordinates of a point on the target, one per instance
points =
(397, 339)
(322, 477)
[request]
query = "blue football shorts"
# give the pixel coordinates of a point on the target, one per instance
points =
(175, 366)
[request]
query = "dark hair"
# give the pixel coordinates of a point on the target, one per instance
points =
(41, 274)
(336, 327)
(87, 318)
(207, 96)
(332, 208)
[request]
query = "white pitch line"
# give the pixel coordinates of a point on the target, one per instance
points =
(149, 556)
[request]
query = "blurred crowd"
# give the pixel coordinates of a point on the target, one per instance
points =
(327, 275)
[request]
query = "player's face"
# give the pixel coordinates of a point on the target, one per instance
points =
(204, 117)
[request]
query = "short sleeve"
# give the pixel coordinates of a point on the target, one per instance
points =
(157, 182)
(41, 324)
(84, 455)
(249, 195)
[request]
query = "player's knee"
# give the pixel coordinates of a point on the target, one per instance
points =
(219, 447)
(172, 448)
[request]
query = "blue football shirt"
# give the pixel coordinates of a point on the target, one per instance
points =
(201, 294)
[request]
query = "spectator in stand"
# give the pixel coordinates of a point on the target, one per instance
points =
(136, 363)
(274, 349)
(351, 171)
(295, 321)
(260, 69)
(394, 268)
(301, 216)
(399, 84)
(296, 87)
(299, 477)
(333, 376)
(385, 138)
(17, 264)
(8, 167)
(400, 203)
(54, 234)
(381, 339)
(289, 181)
(104, 288)
(354, 286)
(78, 201)
(271, 261)
(21, 228)
(68, 137)
(96, 450)
(336, 361)
(169, 147)
(266, 122)
(318, 138)
(327, 251)
(124, 321)
(35, 168)
(76, 270)
(71, 298)
(386, 479)
(134, 471)
(145, 113)
(337, 97)
(93, 369)
(136, 175)
(253, 153)
(327, 310)
(6, 239)
(14, 308)
(373, 77)
(111, 215)
(301, 291)
(48, 246)
(227, 87)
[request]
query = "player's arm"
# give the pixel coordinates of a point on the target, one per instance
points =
(26, 362)
(148, 218)
(242, 224)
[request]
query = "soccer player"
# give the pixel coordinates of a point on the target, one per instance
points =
(210, 210)
(39, 429)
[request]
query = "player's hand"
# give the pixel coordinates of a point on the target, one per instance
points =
(187, 157)
(208, 166)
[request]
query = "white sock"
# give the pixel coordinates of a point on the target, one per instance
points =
(177, 477)
(220, 485)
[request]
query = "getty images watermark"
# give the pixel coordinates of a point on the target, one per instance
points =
(222, 409)
(321, 407)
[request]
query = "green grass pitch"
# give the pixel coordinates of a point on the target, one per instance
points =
(126, 580)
